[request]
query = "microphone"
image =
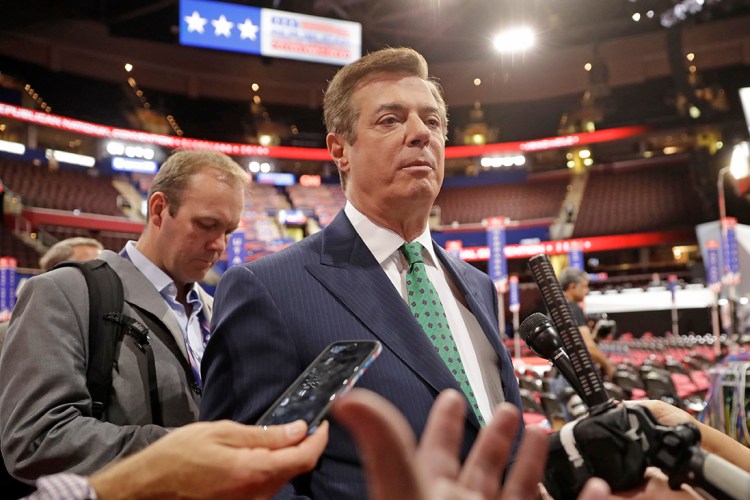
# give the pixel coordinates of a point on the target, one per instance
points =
(541, 336)
(593, 393)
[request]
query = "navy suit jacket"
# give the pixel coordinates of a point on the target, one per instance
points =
(273, 316)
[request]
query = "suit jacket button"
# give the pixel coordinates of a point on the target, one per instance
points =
(196, 389)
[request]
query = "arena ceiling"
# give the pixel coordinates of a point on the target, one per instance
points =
(443, 30)
(93, 38)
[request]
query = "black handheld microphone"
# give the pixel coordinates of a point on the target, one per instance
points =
(541, 336)
(590, 382)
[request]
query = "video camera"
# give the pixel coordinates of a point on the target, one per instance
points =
(602, 325)
(615, 442)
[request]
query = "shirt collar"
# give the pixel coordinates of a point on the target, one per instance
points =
(383, 242)
(161, 281)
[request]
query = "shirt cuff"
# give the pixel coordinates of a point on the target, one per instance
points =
(63, 486)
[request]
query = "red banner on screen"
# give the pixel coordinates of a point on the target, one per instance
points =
(592, 244)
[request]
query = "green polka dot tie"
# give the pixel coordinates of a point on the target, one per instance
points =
(425, 304)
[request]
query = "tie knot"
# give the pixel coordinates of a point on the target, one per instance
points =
(412, 252)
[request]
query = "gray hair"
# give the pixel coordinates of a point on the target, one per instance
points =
(570, 276)
(63, 250)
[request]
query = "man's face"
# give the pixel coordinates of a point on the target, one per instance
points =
(85, 252)
(190, 242)
(579, 290)
(397, 160)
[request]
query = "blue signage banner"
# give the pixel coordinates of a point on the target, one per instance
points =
(7, 286)
(672, 284)
(4, 290)
(269, 32)
(236, 248)
(734, 256)
(575, 258)
(219, 25)
(729, 252)
(12, 274)
(497, 265)
(514, 302)
(713, 272)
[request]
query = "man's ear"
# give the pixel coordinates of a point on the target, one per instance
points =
(157, 205)
(337, 147)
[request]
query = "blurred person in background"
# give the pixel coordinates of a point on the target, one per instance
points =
(575, 286)
(78, 248)
(46, 419)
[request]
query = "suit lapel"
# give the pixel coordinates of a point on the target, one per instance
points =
(485, 318)
(350, 272)
(141, 294)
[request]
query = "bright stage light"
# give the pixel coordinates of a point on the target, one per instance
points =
(514, 40)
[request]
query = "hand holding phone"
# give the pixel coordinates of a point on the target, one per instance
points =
(328, 377)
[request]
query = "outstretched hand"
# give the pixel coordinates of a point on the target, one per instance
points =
(397, 468)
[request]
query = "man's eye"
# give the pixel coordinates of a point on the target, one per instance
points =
(433, 122)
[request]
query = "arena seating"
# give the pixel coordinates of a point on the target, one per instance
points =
(540, 197)
(59, 189)
(324, 201)
(13, 246)
(629, 200)
(262, 231)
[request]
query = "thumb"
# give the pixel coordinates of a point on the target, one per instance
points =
(257, 436)
(595, 489)
(386, 444)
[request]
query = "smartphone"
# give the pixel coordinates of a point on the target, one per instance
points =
(328, 377)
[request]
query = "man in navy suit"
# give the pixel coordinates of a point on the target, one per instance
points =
(387, 124)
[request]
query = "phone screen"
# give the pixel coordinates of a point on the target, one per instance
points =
(329, 376)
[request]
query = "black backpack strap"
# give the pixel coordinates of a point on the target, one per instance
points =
(105, 297)
(139, 332)
(107, 325)
(157, 328)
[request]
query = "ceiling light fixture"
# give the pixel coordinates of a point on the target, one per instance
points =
(514, 40)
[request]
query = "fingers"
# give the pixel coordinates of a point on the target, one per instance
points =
(293, 460)
(595, 489)
(252, 436)
(489, 455)
(441, 440)
(528, 469)
(385, 442)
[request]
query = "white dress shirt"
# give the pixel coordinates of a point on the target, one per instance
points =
(470, 340)
(189, 325)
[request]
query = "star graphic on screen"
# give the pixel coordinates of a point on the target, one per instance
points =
(248, 30)
(222, 26)
(195, 22)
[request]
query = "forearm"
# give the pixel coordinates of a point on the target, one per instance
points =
(83, 446)
(601, 359)
(596, 354)
(718, 443)
(132, 478)
(712, 440)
